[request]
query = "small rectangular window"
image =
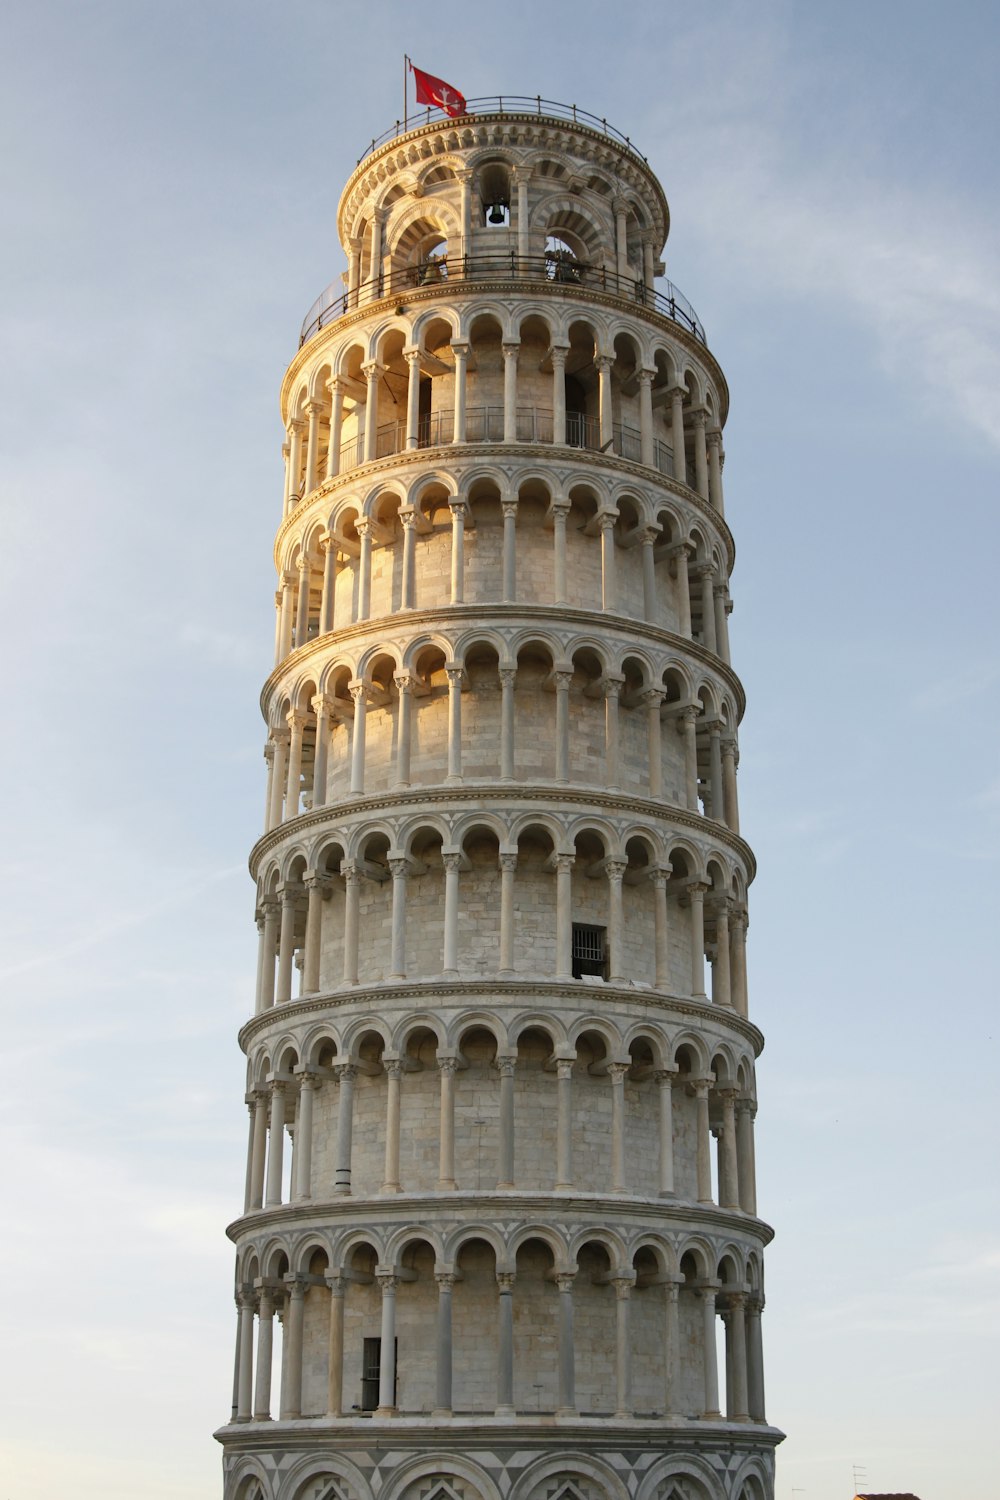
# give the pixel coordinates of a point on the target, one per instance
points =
(371, 1372)
(590, 952)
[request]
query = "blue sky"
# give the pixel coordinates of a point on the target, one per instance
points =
(170, 180)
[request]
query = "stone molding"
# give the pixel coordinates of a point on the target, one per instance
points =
(506, 992)
(559, 794)
(527, 453)
(445, 615)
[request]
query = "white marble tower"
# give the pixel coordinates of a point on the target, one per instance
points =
(488, 1248)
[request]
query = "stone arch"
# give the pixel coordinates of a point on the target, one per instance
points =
(445, 1476)
(697, 1480)
(248, 1480)
(569, 1476)
(325, 1477)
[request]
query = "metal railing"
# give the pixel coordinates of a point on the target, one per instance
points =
(485, 424)
(334, 302)
(504, 104)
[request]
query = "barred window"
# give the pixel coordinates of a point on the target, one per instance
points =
(590, 952)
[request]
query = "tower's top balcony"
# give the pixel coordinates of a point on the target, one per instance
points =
(545, 190)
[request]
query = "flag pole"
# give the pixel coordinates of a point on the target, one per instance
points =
(406, 70)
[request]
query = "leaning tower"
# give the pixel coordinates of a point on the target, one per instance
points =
(488, 1247)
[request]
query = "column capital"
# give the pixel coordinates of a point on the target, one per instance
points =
(508, 509)
(686, 716)
(699, 416)
(405, 681)
(704, 570)
(615, 870)
(357, 688)
(730, 747)
(511, 350)
(603, 362)
(653, 697)
(388, 1281)
(713, 437)
(612, 684)
(505, 1066)
(507, 676)
(623, 1286)
(508, 862)
(344, 1072)
(323, 703)
(454, 673)
(646, 376)
(563, 861)
(564, 1067)
(296, 720)
(659, 875)
(408, 517)
(452, 861)
(606, 519)
(697, 888)
(399, 867)
(446, 1279)
(680, 550)
(562, 677)
(448, 1065)
(363, 526)
(564, 1280)
(558, 353)
(313, 407)
(505, 1282)
(337, 1284)
(459, 507)
(296, 424)
(372, 369)
(460, 348)
(618, 1069)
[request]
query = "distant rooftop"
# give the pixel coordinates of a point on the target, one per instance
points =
(886, 1495)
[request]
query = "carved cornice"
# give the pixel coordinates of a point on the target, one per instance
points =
(372, 1438)
(455, 292)
(473, 1206)
(443, 616)
(450, 455)
(557, 795)
(458, 993)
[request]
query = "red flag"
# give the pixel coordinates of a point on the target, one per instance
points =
(431, 90)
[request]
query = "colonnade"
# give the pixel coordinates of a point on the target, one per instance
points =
(716, 790)
(279, 924)
(302, 447)
(273, 1114)
(739, 1305)
(294, 618)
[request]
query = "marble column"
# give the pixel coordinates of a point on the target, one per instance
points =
(562, 680)
(564, 915)
(696, 894)
(445, 1285)
(412, 357)
(612, 687)
(459, 515)
(408, 582)
(703, 1148)
(623, 1347)
(461, 353)
(677, 394)
(336, 389)
(646, 416)
(359, 695)
(700, 420)
(721, 982)
(313, 410)
(560, 512)
(244, 1399)
(400, 870)
(729, 1194)
(505, 1174)
(508, 677)
(323, 707)
(609, 591)
(291, 1382)
(269, 948)
(714, 440)
(755, 1361)
(335, 1348)
(289, 895)
(352, 900)
(388, 1283)
(671, 1360)
(510, 354)
(746, 1171)
(454, 673)
(615, 871)
(393, 1082)
(447, 1067)
(505, 1344)
(346, 1073)
(363, 526)
(659, 875)
(317, 887)
(603, 363)
(452, 865)
(405, 685)
(653, 702)
(648, 544)
(711, 1363)
(302, 1186)
(508, 866)
(265, 1347)
(372, 372)
(665, 1085)
(567, 1353)
(679, 555)
(687, 727)
(258, 1150)
(730, 758)
(276, 1144)
(706, 575)
(737, 1344)
(509, 572)
(617, 1072)
(564, 1124)
(558, 353)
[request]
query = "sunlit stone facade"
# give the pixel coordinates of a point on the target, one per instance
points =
(488, 1246)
